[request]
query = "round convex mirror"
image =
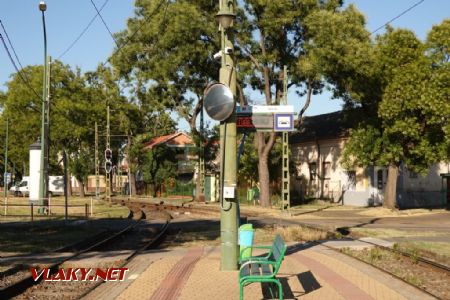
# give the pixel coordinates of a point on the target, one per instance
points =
(219, 102)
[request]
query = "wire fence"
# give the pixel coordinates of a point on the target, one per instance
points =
(35, 210)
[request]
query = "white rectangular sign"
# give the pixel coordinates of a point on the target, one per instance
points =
(264, 109)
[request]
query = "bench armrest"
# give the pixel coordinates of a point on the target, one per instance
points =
(268, 262)
(255, 247)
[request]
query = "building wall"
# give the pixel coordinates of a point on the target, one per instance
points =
(117, 182)
(318, 172)
(361, 186)
(416, 190)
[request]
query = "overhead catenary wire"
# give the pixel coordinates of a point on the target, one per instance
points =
(104, 23)
(11, 45)
(25, 81)
(398, 16)
(82, 32)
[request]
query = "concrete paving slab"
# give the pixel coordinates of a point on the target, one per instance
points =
(379, 242)
(344, 243)
(308, 272)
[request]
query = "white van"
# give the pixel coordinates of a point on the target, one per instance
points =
(56, 186)
(21, 188)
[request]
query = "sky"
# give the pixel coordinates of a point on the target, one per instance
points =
(65, 20)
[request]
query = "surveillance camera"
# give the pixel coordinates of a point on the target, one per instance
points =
(218, 55)
(228, 50)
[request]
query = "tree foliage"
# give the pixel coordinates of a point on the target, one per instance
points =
(409, 122)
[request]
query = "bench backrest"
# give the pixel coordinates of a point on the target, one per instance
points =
(278, 251)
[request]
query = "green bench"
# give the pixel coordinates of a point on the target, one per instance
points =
(263, 268)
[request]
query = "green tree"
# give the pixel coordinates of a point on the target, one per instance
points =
(411, 110)
(159, 164)
(278, 33)
(137, 154)
(80, 165)
(170, 69)
(77, 101)
(168, 58)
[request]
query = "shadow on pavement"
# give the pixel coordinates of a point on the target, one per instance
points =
(346, 230)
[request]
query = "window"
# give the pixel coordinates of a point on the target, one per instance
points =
(326, 170)
(312, 171)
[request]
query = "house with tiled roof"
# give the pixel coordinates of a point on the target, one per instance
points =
(186, 156)
(316, 150)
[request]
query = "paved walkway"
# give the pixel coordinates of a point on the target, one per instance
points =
(306, 273)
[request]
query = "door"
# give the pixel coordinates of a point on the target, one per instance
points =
(448, 190)
(380, 182)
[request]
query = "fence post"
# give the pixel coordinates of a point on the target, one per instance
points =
(49, 205)
(86, 210)
(31, 212)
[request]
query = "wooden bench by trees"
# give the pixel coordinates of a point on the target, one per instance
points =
(263, 268)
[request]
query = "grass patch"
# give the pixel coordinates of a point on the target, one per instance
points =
(76, 208)
(34, 239)
(393, 233)
(408, 269)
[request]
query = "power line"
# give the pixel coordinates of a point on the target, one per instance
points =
(130, 37)
(104, 23)
(10, 43)
(82, 32)
(398, 16)
(27, 83)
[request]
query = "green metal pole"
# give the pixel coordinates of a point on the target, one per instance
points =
(5, 185)
(97, 169)
(42, 192)
(229, 217)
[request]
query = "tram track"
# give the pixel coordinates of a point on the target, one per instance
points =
(415, 260)
(134, 237)
(19, 279)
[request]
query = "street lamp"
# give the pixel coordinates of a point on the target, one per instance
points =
(225, 18)
(229, 216)
(43, 166)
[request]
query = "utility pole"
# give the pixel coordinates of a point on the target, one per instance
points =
(285, 181)
(119, 172)
(128, 166)
(97, 168)
(5, 179)
(108, 171)
(201, 195)
(47, 129)
(43, 171)
(229, 216)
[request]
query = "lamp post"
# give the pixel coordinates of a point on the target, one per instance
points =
(43, 167)
(229, 217)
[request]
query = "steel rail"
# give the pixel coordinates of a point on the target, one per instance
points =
(155, 240)
(22, 285)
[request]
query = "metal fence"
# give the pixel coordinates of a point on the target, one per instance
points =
(34, 210)
(178, 188)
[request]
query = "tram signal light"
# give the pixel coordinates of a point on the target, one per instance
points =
(108, 166)
(108, 154)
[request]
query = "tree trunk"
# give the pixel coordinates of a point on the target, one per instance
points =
(81, 187)
(264, 181)
(263, 166)
(390, 193)
(69, 183)
(133, 184)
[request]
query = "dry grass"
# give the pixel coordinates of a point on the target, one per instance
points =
(393, 233)
(386, 212)
(76, 208)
